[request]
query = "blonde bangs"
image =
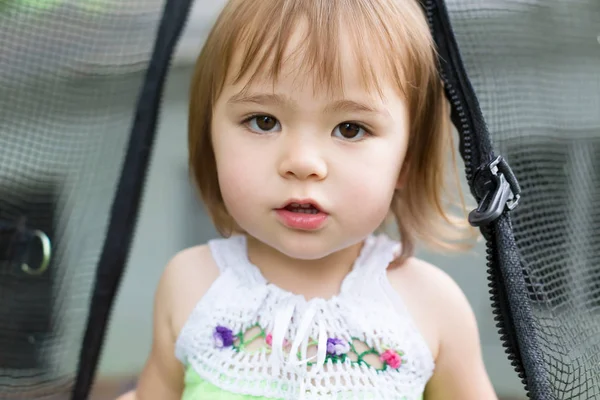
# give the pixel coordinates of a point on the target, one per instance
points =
(391, 43)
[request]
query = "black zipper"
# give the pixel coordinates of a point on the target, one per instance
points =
(476, 150)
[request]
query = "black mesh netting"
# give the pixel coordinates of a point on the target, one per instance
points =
(70, 76)
(535, 68)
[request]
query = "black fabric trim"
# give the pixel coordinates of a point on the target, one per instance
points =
(454, 72)
(126, 203)
(508, 264)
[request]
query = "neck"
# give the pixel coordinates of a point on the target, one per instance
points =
(311, 278)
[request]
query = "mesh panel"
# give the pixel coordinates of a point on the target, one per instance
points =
(70, 74)
(535, 67)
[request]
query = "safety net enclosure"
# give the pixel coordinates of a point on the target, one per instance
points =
(80, 85)
(523, 77)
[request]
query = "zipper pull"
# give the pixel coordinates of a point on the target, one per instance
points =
(497, 189)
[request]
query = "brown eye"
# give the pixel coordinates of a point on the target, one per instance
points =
(350, 131)
(263, 123)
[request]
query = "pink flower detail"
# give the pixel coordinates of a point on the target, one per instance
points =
(269, 340)
(391, 358)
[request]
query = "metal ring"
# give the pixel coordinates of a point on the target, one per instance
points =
(46, 255)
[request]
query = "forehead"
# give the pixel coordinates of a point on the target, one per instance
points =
(335, 67)
(301, 87)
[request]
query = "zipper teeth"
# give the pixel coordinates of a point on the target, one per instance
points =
(515, 361)
(456, 102)
(464, 127)
(493, 278)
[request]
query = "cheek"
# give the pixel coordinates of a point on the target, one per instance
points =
(240, 173)
(231, 185)
(370, 185)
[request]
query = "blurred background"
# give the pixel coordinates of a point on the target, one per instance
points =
(171, 216)
(172, 219)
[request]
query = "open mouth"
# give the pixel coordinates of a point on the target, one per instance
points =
(302, 208)
(302, 214)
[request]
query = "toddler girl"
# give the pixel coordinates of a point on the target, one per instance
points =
(311, 122)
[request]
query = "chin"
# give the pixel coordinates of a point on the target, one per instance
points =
(303, 245)
(303, 254)
(308, 246)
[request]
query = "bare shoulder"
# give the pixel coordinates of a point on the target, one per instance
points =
(432, 296)
(185, 280)
(429, 278)
(192, 262)
(448, 323)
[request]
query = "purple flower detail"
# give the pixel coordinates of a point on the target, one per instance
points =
(337, 347)
(223, 337)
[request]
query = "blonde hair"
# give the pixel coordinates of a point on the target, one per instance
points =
(392, 33)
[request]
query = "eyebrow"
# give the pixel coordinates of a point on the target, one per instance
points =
(271, 99)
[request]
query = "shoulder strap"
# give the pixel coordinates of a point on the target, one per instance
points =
(231, 255)
(371, 265)
(383, 251)
(228, 252)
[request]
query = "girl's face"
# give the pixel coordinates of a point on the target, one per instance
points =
(283, 142)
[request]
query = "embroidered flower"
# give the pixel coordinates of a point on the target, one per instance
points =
(391, 358)
(337, 347)
(223, 337)
(269, 340)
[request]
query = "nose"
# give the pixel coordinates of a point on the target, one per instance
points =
(303, 159)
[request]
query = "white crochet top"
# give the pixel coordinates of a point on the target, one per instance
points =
(362, 343)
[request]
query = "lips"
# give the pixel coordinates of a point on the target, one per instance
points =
(303, 206)
(302, 214)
